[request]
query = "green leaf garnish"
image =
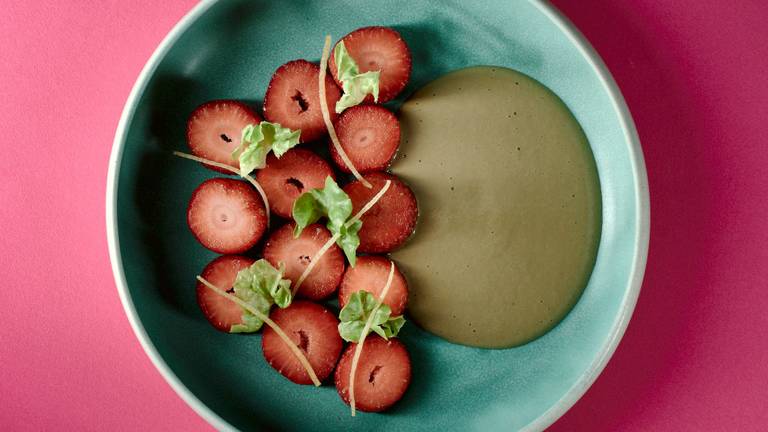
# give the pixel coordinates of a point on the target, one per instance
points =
(392, 327)
(258, 140)
(356, 86)
(333, 203)
(261, 286)
(349, 240)
(357, 311)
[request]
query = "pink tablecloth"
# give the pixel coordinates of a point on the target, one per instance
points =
(695, 356)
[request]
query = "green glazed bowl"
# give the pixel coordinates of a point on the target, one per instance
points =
(229, 49)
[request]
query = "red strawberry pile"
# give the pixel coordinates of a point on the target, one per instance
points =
(229, 216)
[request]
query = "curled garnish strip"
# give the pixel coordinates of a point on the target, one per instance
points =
(234, 171)
(366, 330)
(327, 115)
(295, 349)
(313, 261)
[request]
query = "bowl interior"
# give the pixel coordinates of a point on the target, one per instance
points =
(230, 51)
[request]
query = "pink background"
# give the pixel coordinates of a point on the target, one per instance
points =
(695, 356)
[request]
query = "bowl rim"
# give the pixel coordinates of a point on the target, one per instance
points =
(641, 234)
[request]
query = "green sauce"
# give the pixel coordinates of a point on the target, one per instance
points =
(509, 207)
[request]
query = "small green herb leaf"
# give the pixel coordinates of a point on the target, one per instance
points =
(258, 140)
(333, 203)
(261, 286)
(392, 327)
(356, 312)
(306, 211)
(356, 86)
(349, 240)
(351, 331)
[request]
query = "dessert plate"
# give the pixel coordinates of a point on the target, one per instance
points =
(229, 49)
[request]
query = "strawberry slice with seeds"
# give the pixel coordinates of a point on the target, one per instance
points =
(226, 216)
(369, 135)
(382, 376)
(286, 178)
(370, 273)
(390, 222)
(214, 130)
(293, 99)
(313, 329)
(297, 253)
(221, 312)
(379, 49)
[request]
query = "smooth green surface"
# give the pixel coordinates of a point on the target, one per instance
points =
(509, 207)
(230, 51)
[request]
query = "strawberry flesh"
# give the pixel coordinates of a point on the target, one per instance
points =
(382, 376)
(369, 135)
(214, 130)
(379, 49)
(226, 216)
(370, 273)
(297, 253)
(293, 99)
(390, 222)
(221, 312)
(314, 329)
(286, 178)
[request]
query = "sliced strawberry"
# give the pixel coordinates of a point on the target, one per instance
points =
(293, 99)
(226, 215)
(369, 135)
(370, 273)
(222, 313)
(314, 329)
(214, 130)
(297, 253)
(390, 222)
(295, 172)
(382, 376)
(379, 49)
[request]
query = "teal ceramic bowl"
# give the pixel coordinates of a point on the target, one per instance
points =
(229, 49)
